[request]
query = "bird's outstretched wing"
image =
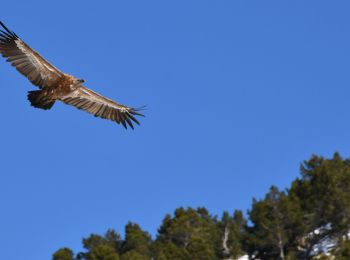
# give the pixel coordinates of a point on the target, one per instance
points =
(88, 100)
(26, 60)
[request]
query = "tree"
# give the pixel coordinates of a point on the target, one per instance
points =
(167, 250)
(63, 254)
(324, 194)
(101, 247)
(232, 233)
(134, 255)
(190, 234)
(137, 242)
(102, 252)
(274, 230)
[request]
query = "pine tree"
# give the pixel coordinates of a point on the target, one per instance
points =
(134, 255)
(101, 247)
(190, 234)
(324, 194)
(167, 250)
(273, 232)
(102, 252)
(233, 232)
(137, 243)
(63, 254)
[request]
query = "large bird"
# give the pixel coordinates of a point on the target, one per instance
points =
(56, 85)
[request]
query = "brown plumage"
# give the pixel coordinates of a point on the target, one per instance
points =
(56, 85)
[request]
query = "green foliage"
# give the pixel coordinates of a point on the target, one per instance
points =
(269, 233)
(324, 195)
(136, 241)
(111, 238)
(134, 255)
(170, 251)
(233, 233)
(324, 189)
(343, 252)
(193, 232)
(63, 254)
(101, 247)
(102, 252)
(283, 225)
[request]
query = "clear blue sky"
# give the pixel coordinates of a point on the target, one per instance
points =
(238, 94)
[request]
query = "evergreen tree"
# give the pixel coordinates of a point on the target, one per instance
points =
(102, 252)
(101, 247)
(273, 232)
(134, 255)
(63, 254)
(232, 233)
(167, 250)
(137, 242)
(324, 195)
(190, 234)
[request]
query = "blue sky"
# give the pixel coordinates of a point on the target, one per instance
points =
(238, 94)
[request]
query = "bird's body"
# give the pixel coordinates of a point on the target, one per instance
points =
(55, 85)
(57, 90)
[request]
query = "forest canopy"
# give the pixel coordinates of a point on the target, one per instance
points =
(287, 224)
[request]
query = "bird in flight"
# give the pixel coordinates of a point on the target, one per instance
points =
(55, 85)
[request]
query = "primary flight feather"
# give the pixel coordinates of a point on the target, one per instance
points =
(56, 85)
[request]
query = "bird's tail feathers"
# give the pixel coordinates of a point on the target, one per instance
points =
(39, 99)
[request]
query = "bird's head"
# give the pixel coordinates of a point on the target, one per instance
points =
(79, 81)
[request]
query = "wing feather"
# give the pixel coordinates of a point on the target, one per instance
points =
(27, 61)
(93, 103)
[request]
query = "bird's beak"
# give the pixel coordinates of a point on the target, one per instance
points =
(81, 80)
